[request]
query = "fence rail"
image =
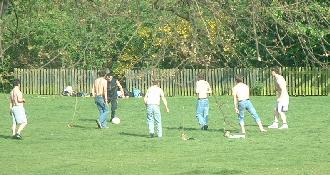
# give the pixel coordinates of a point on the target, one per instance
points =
(179, 82)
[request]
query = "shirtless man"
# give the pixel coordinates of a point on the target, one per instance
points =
(282, 102)
(17, 110)
(241, 96)
(101, 99)
(202, 112)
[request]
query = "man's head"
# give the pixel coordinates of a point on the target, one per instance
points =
(238, 79)
(101, 73)
(275, 70)
(200, 76)
(16, 82)
(155, 82)
(108, 76)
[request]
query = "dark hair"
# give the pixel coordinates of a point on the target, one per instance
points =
(101, 73)
(276, 70)
(155, 82)
(238, 78)
(108, 74)
(16, 82)
(200, 76)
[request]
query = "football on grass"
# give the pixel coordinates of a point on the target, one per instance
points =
(115, 120)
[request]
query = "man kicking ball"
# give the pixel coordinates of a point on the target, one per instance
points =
(282, 102)
(241, 96)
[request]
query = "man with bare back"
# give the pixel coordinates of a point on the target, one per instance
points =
(282, 102)
(241, 94)
(17, 110)
(101, 99)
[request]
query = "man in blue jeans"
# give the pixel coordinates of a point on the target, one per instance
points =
(152, 102)
(101, 99)
(241, 96)
(202, 112)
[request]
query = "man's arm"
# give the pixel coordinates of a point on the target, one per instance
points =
(94, 88)
(235, 101)
(282, 88)
(165, 103)
(146, 97)
(20, 98)
(105, 90)
(120, 88)
(197, 87)
(209, 90)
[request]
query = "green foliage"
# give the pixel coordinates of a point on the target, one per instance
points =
(257, 88)
(123, 35)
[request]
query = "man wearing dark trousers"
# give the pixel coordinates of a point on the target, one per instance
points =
(112, 88)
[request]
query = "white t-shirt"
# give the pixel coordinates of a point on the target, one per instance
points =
(202, 88)
(153, 95)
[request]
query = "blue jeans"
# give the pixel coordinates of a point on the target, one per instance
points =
(154, 116)
(246, 104)
(202, 111)
(103, 109)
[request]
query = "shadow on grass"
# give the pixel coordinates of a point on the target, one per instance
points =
(5, 137)
(87, 120)
(222, 172)
(83, 127)
(134, 135)
(194, 129)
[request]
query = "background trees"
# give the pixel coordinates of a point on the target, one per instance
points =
(126, 34)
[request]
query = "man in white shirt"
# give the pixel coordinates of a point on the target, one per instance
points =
(282, 102)
(202, 109)
(241, 94)
(152, 102)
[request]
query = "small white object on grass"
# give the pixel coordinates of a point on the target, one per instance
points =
(115, 120)
(234, 136)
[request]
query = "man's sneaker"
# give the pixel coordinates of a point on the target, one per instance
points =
(98, 124)
(263, 130)
(273, 126)
(19, 137)
(284, 126)
(206, 127)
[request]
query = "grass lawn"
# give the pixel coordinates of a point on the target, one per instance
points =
(50, 147)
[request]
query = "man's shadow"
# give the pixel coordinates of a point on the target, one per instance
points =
(194, 129)
(133, 134)
(5, 137)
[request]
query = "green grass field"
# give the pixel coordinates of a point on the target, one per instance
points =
(50, 147)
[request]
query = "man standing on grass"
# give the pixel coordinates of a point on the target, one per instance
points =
(113, 85)
(282, 102)
(17, 110)
(202, 110)
(152, 102)
(101, 99)
(241, 94)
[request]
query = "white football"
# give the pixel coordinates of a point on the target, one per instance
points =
(115, 120)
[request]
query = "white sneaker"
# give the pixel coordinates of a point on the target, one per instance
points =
(273, 126)
(284, 126)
